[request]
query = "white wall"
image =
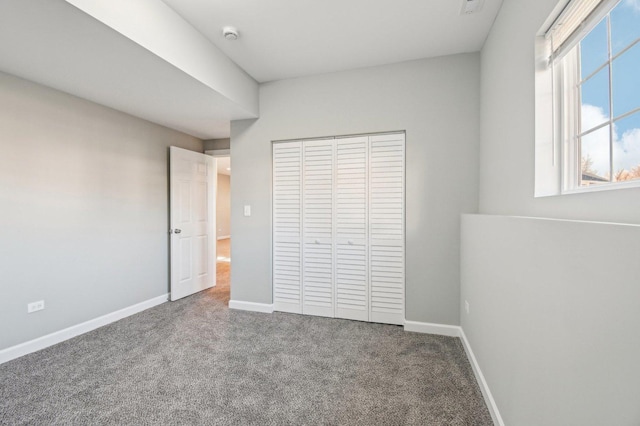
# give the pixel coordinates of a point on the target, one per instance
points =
(213, 144)
(173, 39)
(508, 131)
(223, 206)
(553, 318)
(435, 101)
(83, 191)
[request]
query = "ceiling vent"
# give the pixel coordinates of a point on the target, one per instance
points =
(470, 7)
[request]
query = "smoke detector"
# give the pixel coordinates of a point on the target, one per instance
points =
(230, 33)
(471, 6)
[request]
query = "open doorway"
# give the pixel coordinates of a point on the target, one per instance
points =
(223, 230)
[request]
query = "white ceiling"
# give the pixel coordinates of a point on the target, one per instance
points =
(56, 44)
(291, 38)
(72, 49)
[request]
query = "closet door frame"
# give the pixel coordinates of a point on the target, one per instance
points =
(336, 240)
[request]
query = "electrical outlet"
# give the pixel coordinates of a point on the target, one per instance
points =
(466, 306)
(35, 306)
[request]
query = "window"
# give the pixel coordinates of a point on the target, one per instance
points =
(593, 67)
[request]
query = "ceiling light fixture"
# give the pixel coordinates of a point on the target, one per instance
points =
(230, 33)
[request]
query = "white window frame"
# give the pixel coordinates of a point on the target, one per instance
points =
(557, 150)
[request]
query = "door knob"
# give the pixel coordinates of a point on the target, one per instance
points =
(177, 231)
(317, 241)
(350, 242)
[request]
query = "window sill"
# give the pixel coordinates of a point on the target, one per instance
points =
(603, 187)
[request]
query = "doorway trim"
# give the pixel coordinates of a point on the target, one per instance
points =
(218, 152)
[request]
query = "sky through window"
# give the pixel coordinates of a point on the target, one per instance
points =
(623, 24)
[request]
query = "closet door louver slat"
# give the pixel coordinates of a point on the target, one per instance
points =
(351, 268)
(287, 227)
(317, 218)
(386, 228)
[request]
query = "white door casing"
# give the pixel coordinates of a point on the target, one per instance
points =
(192, 183)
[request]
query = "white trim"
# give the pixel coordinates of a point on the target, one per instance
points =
(224, 237)
(75, 330)
(484, 387)
(251, 306)
(457, 331)
(604, 186)
(430, 328)
(218, 152)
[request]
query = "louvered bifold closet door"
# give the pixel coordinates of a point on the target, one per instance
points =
(386, 228)
(351, 267)
(317, 219)
(287, 227)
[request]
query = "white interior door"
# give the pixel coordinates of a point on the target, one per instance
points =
(338, 227)
(287, 227)
(192, 183)
(317, 220)
(386, 228)
(351, 268)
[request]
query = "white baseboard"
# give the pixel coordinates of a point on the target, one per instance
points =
(75, 330)
(250, 306)
(224, 237)
(457, 331)
(430, 328)
(484, 387)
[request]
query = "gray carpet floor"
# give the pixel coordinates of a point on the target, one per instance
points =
(197, 362)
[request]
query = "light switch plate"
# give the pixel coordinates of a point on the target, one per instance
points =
(247, 210)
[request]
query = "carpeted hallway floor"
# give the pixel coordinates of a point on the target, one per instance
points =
(194, 361)
(221, 292)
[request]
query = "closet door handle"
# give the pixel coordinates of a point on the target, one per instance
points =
(350, 242)
(317, 241)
